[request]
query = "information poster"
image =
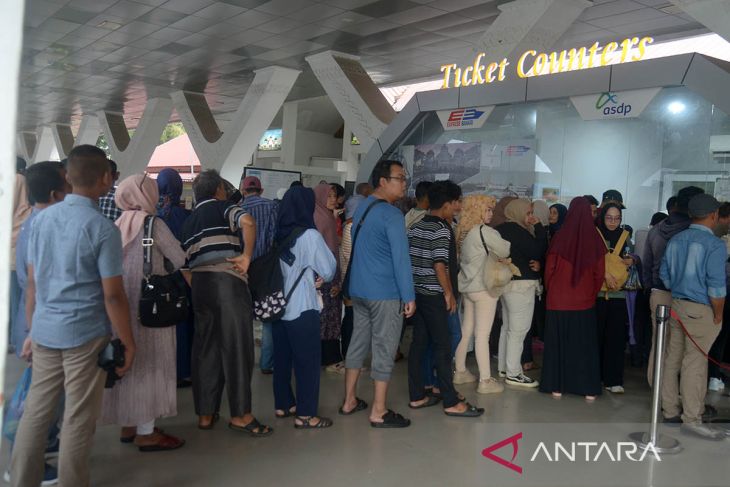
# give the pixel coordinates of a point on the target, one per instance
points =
(272, 180)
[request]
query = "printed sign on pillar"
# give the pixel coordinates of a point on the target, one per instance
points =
(614, 104)
(464, 118)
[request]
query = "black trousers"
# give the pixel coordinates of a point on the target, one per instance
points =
(612, 316)
(430, 323)
(223, 348)
(717, 351)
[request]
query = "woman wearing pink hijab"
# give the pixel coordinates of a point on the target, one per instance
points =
(331, 315)
(148, 390)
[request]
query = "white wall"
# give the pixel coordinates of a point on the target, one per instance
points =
(315, 144)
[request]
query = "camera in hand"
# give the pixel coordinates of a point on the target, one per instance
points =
(110, 358)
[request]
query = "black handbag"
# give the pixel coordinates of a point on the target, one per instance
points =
(163, 300)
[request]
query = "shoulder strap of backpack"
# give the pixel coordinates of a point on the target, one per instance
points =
(481, 235)
(359, 224)
(621, 241)
(147, 243)
(296, 283)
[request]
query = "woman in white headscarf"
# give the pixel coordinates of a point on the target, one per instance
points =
(149, 389)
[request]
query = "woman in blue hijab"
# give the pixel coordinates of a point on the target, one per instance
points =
(170, 185)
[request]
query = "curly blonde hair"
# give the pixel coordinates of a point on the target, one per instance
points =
(473, 208)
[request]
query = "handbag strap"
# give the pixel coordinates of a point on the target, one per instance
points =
(481, 235)
(359, 224)
(147, 243)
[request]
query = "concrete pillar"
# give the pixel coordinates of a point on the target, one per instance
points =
(528, 24)
(11, 38)
(353, 93)
(289, 133)
(228, 152)
(133, 154)
(88, 133)
(25, 143)
(713, 14)
(64, 138)
(38, 146)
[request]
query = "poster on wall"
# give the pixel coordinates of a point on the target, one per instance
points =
(271, 140)
(436, 162)
(272, 180)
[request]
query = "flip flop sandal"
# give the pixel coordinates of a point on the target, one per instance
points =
(130, 439)
(212, 423)
(359, 407)
(432, 401)
(167, 442)
(287, 414)
(307, 423)
(254, 428)
(471, 412)
(391, 419)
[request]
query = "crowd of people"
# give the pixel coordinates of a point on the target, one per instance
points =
(461, 270)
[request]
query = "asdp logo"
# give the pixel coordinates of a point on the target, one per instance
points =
(608, 103)
(463, 117)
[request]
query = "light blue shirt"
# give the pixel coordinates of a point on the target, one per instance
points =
(693, 266)
(72, 247)
(311, 253)
(381, 266)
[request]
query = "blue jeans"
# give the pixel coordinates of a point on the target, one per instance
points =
(267, 348)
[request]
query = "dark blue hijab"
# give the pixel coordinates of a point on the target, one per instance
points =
(296, 210)
(562, 212)
(170, 185)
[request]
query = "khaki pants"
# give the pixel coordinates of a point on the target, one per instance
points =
(657, 297)
(76, 371)
(683, 358)
(479, 309)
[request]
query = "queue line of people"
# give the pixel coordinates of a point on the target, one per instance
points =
(414, 267)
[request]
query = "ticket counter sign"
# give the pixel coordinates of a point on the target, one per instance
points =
(614, 104)
(464, 118)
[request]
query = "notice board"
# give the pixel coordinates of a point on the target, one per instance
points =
(272, 180)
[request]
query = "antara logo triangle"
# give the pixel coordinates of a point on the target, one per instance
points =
(513, 440)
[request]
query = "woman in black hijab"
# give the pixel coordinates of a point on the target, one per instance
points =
(296, 334)
(611, 310)
(557, 216)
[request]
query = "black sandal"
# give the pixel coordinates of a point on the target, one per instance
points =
(471, 412)
(359, 407)
(253, 428)
(307, 423)
(287, 413)
(431, 401)
(391, 419)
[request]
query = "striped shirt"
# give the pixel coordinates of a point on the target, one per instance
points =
(211, 235)
(265, 212)
(430, 242)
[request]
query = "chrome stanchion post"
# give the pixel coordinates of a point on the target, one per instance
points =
(660, 443)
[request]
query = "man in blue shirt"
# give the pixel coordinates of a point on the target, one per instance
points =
(265, 212)
(381, 288)
(693, 267)
(74, 290)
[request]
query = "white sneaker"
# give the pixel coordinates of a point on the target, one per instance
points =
(716, 384)
(463, 377)
(489, 386)
(616, 389)
(502, 374)
(522, 381)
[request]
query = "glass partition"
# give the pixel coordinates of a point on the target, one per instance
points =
(545, 150)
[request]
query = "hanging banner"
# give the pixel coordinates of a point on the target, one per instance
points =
(464, 118)
(613, 104)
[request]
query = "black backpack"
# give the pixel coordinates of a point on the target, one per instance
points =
(266, 282)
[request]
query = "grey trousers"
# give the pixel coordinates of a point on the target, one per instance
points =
(223, 347)
(377, 326)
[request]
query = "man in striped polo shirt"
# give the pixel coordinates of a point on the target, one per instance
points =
(435, 270)
(223, 349)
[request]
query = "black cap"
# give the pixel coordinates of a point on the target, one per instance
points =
(613, 196)
(702, 205)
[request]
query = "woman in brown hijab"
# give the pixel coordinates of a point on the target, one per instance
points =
(499, 216)
(331, 315)
(149, 389)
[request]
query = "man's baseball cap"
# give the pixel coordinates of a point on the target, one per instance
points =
(613, 196)
(702, 205)
(251, 182)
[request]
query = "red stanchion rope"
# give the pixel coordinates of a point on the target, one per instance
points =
(674, 315)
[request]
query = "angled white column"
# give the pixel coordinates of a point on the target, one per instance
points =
(228, 152)
(528, 24)
(353, 93)
(11, 38)
(713, 14)
(25, 143)
(88, 133)
(133, 155)
(38, 146)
